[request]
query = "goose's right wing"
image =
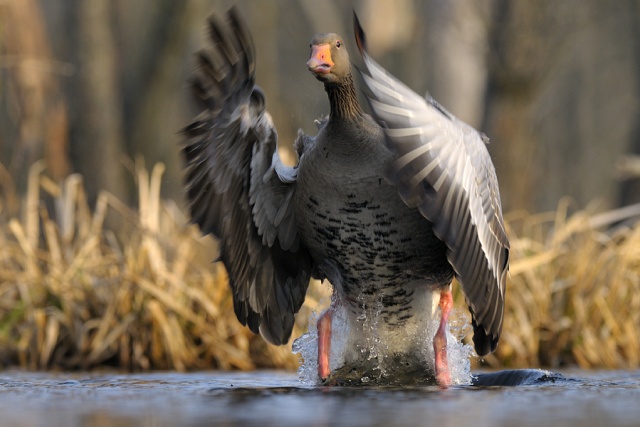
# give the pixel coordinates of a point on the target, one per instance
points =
(238, 188)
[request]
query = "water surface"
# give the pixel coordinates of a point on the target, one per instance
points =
(582, 398)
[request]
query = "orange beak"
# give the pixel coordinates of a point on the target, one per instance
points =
(320, 61)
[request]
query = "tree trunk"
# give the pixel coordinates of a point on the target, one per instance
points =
(34, 114)
(99, 148)
(562, 99)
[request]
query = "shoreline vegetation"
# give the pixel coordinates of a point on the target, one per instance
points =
(136, 289)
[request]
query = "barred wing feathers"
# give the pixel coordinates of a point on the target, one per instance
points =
(239, 190)
(443, 168)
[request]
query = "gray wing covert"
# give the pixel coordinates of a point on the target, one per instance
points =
(239, 190)
(442, 167)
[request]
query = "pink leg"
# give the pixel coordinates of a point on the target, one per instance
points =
(443, 375)
(324, 344)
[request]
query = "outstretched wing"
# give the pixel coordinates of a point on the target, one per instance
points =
(443, 168)
(238, 188)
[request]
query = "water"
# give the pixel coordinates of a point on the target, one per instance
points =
(583, 398)
(361, 356)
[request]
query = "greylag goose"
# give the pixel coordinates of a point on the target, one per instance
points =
(388, 209)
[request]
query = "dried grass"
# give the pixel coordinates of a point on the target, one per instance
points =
(76, 293)
(573, 296)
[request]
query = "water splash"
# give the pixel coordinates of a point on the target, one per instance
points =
(307, 347)
(379, 364)
(459, 353)
(375, 348)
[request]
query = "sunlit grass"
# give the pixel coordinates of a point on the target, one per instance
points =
(136, 289)
(77, 294)
(574, 292)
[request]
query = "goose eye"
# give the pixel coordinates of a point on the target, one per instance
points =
(338, 44)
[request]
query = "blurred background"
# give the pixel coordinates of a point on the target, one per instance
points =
(87, 85)
(98, 266)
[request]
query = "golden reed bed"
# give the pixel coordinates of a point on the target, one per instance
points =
(142, 293)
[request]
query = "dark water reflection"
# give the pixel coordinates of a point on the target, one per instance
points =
(585, 398)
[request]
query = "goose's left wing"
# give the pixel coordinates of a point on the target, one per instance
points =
(442, 167)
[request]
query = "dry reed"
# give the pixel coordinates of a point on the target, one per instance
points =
(573, 296)
(76, 293)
